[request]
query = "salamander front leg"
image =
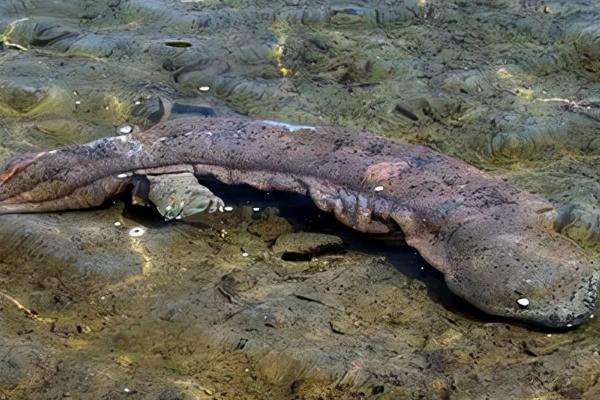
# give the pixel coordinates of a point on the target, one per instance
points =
(181, 195)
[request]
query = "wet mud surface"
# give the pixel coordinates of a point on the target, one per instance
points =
(266, 304)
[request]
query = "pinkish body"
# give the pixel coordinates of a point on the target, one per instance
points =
(485, 236)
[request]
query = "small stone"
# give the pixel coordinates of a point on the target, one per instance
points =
(77, 102)
(256, 209)
(378, 188)
(244, 254)
(228, 208)
(204, 88)
(117, 223)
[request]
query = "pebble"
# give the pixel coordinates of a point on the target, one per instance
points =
(307, 244)
(204, 88)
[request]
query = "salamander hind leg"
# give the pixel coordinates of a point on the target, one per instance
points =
(181, 195)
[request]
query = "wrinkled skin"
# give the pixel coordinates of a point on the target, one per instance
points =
(488, 238)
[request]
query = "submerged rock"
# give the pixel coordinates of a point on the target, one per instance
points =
(303, 246)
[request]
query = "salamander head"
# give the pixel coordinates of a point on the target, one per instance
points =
(527, 272)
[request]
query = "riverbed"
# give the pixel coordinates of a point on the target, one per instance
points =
(275, 299)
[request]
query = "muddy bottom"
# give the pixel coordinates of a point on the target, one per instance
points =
(273, 299)
(208, 308)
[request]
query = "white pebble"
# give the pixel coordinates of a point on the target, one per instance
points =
(204, 88)
(122, 176)
(137, 102)
(569, 325)
(523, 302)
(78, 102)
(125, 129)
(378, 188)
(244, 254)
(137, 231)
(256, 209)
(117, 223)
(228, 208)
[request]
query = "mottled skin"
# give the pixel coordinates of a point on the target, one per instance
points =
(486, 237)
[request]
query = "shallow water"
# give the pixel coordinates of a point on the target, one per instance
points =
(206, 308)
